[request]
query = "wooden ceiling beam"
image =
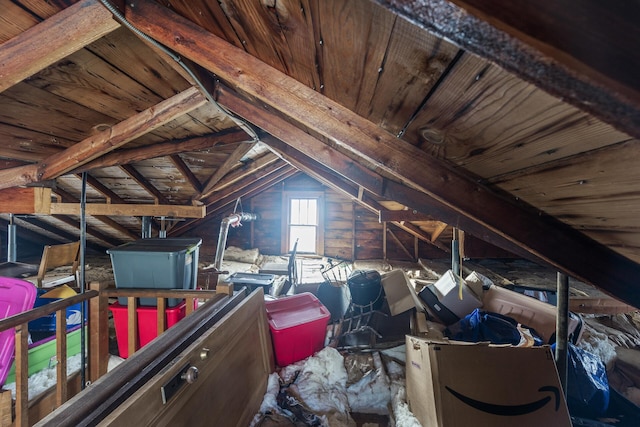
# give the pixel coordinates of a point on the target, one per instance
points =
(298, 140)
(26, 234)
(108, 193)
(130, 209)
(266, 161)
(29, 200)
(191, 178)
(52, 40)
(248, 187)
(64, 235)
(226, 167)
(104, 141)
(145, 184)
(256, 174)
(587, 57)
(69, 198)
(465, 203)
(90, 230)
(161, 149)
(403, 215)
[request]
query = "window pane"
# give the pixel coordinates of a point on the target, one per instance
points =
(304, 212)
(306, 236)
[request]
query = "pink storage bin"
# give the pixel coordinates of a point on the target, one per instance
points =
(16, 296)
(298, 326)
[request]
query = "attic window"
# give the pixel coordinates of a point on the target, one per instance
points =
(303, 222)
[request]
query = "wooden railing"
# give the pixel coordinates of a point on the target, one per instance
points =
(161, 296)
(97, 339)
(20, 323)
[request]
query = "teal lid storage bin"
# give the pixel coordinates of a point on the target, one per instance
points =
(170, 263)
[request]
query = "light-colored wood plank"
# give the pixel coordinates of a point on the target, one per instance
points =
(132, 326)
(22, 376)
(6, 408)
(61, 357)
(112, 209)
(55, 38)
(98, 332)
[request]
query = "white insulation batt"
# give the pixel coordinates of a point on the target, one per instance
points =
(321, 383)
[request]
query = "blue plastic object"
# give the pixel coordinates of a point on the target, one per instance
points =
(483, 326)
(587, 383)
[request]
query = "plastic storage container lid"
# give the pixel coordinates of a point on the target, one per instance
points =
(16, 296)
(159, 245)
(295, 310)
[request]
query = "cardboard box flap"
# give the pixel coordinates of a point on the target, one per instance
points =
(396, 287)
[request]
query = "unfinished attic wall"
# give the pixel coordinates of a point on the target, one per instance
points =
(350, 230)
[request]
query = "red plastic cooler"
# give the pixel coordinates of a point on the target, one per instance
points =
(147, 324)
(298, 326)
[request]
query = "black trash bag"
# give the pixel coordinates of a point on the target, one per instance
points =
(587, 383)
(482, 326)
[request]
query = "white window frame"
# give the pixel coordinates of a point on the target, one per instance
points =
(286, 220)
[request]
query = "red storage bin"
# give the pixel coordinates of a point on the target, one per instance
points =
(298, 326)
(147, 324)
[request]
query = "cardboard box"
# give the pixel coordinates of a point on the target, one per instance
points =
(396, 287)
(460, 384)
(443, 298)
(529, 311)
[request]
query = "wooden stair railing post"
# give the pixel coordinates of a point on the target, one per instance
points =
(132, 325)
(6, 408)
(98, 332)
(189, 302)
(61, 357)
(22, 375)
(160, 315)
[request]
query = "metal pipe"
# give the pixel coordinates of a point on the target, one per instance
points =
(12, 246)
(146, 227)
(455, 253)
(81, 277)
(232, 220)
(562, 329)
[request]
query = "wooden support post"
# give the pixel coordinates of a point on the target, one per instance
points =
(61, 357)
(6, 410)
(190, 304)
(161, 306)
(132, 326)
(98, 332)
(22, 376)
(225, 288)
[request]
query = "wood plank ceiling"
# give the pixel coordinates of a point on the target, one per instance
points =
(506, 125)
